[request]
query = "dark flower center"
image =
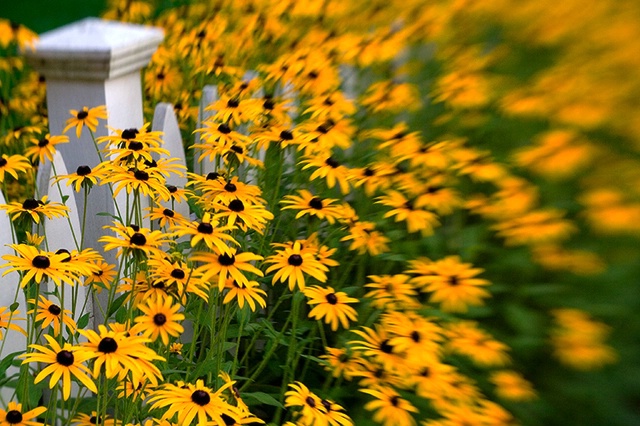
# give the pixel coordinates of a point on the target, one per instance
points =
(331, 298)
(313, 75)
(205, 228)
(30, 204)
(228, 420)
(3, 162)
(310, 402)
(65, 358)
(394, 401)
(138, 239)
(159, 319)
(135, 146)
(83, 170)
(233, 103)
(224, 129)
(213, 175)
(399, 135)
(168, 212)
(64, 251)
(268, 104)
(94, 420)
(425, 372)
(129, 133)
(230, 187)
(54, 309)
(237, 149)
(160, 76)
(226, 260)
(172, 189)
(325, 127)
(331, 162)
(316, 203)
(295, 260)
(286, 135)
(81, 115)
(415, 336)
(386, 347)
(158, 284)
(14, 417)
(41, 262)
(236, 205)
(178, 274)
(369, 172)
(200, 397)
(327, 405)
(328, 101)
(141, 175)
(453, 281)
(135, 227)
(107, 345)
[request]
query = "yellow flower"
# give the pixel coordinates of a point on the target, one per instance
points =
(85, 118)
(512, 386)
(390, 409)
(291, 264)
(12, 164)
(13, 415)
(160, 319)
(331, 305)
(63, 362)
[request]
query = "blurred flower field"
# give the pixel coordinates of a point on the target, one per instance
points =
(402, 213)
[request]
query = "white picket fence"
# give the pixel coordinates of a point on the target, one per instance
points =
(88, 63)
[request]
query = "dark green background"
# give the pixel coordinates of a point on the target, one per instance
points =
(44, 15)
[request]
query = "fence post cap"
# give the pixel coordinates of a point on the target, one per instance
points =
(94, 49)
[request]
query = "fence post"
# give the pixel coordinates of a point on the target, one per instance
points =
(90, 63)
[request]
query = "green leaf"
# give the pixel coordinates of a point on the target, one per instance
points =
(14, 306)
(6, 362)
(83, 321)
(263, 398)
(64, 199)
(116, 304)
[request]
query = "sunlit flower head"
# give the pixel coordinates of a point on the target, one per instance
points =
(86, 117)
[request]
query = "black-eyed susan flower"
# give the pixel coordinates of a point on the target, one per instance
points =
(579, 340)
(8, 320)
(83, 419)
(332, 106)
(466, 338)
(451, 283)
(174, 273)
(245, 215)
(390, 409)
(392, 292)
(364, 238)
(309, 204)
(12, 165)
(341, 362)
(207, 231)
(63, 362)
(377, 345)
(121, 352)
(165, 217)
(291, 264)
(223, 191)
(335, 415)
(414, 334)
(35, 209)
(134, 240)
(83, 177)
(44, 147)
(103, 275)
(512, 386)
(52, 314)
(404, 209)
(331, 305)
(324, 136)
(374, 177)
(227, 264)
(310, 408)
(249, 293)
(86, 117)
(194, 401)
(328, 168)
(13, 415)
(38, 265)
(143, 180)
(160, 319)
